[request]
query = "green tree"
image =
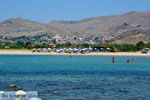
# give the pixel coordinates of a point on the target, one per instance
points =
(36, 46)
(140, 45)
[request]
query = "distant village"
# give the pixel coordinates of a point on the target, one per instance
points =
(67, 43)
(51, 39)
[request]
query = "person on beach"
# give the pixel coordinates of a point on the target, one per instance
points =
(113, 60)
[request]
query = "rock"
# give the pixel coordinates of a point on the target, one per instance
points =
(133, 99)
(55, 92)
(76, 88)
(16, 89)
(11, 86)
(96, 97)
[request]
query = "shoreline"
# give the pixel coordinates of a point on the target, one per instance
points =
(29, 52)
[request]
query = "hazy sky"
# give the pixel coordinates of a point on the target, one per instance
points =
(49, 10)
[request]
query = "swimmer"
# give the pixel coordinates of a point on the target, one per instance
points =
(113, 60)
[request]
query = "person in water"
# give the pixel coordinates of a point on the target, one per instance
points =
(132, 61)
(128, 61)
(113, 60)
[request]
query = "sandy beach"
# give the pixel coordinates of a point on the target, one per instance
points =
(29, 52)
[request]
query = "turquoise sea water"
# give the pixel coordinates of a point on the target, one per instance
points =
(77, 77)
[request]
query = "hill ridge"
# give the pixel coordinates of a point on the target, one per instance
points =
(113, 25)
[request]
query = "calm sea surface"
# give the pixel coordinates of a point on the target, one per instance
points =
(77, 77)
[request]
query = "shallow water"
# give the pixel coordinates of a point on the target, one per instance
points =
(77, 77)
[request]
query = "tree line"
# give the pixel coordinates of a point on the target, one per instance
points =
(113, 47)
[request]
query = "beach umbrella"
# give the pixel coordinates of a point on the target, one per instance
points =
(20, 95)
(70, 48)
(54, 49)
(88, 49)
(20, 92)
(35, 99)
(75, 49)
(145, 48)
(83, 49)
(44, 49)
(60, 49)
(1, 94)
(39, 49)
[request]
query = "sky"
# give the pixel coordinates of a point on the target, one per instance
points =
(45, 11)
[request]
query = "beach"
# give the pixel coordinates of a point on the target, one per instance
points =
(29, 52)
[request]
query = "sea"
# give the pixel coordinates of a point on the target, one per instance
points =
(77, 77)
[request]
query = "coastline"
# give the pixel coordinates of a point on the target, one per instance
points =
(29, 52)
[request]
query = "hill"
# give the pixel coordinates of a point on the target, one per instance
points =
(115, 28)
(19, 26)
